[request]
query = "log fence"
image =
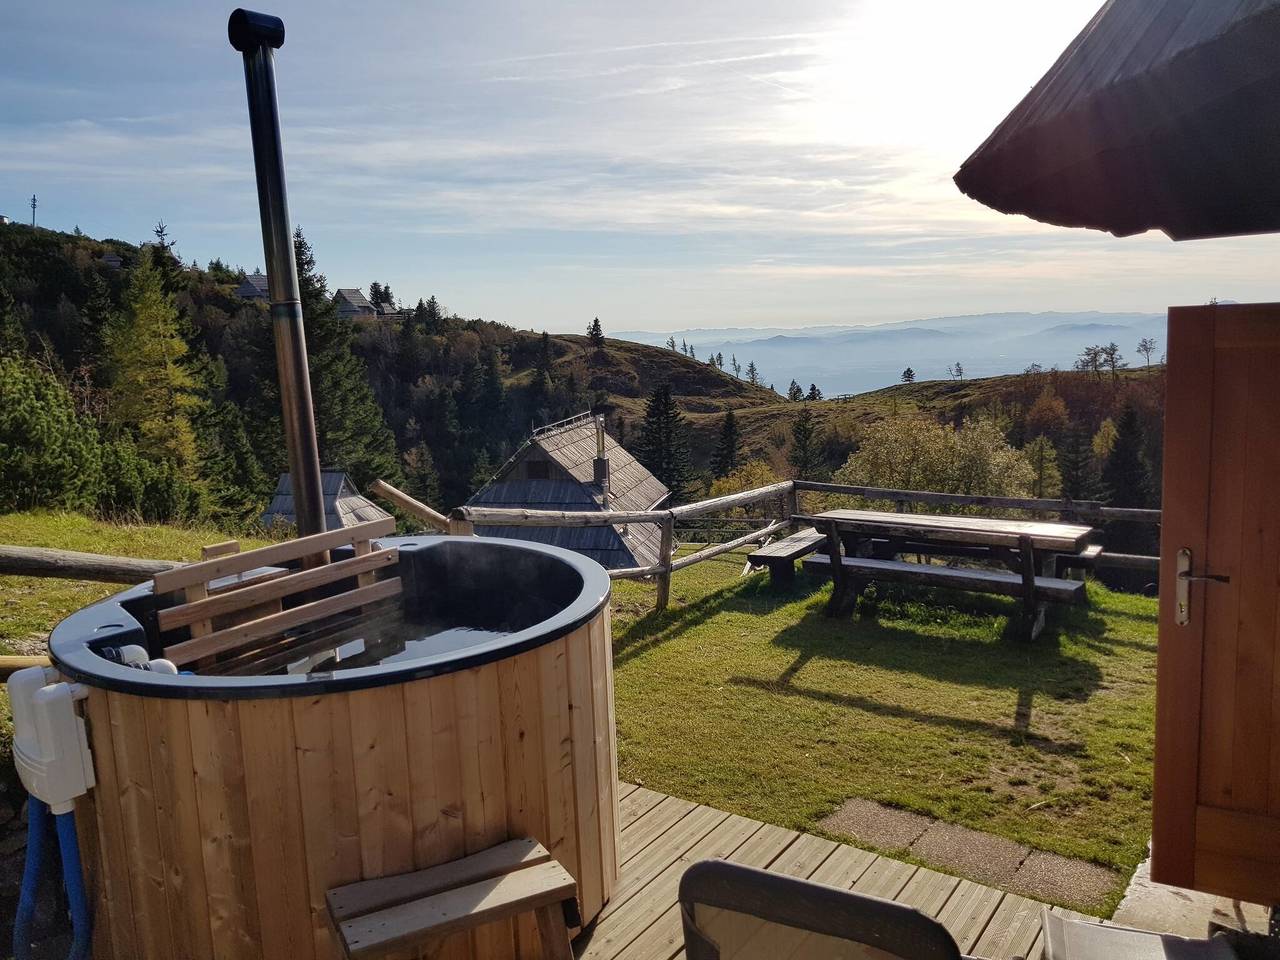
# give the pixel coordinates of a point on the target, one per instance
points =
(784, 500)
(787, 496)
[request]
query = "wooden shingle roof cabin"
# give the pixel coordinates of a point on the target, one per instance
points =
(254, 287)
(351, 302)
(576, 465)
(343, 504)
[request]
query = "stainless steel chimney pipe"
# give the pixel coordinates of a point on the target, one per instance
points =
(256, 35)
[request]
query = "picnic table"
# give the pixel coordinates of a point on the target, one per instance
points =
(866, 545)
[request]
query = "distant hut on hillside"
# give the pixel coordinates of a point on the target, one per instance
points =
(254, 287)
(576, 465)
(343, 504)
(352, 303)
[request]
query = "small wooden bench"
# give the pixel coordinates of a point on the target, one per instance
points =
(858, 571)
(416, 910)
(781, 557)
(952, 578)
(1086, 559)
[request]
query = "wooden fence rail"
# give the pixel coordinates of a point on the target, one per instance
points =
(786, 493)
(73, 565)
(415, 508)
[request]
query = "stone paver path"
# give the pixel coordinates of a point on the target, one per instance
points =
(979, 856)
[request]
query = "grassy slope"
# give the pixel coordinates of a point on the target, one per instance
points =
(766, 427)
(30, 606)
(758, 704)
(629, 372)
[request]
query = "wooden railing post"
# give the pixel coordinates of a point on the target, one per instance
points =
(461, 527)
(664, 557)
(793, 507)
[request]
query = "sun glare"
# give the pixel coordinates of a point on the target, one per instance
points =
(935, 75)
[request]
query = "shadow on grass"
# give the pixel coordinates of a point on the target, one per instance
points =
(944, 655)
(926, 634)
(748, 595)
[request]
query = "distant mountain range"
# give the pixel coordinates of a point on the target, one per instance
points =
(856, 358)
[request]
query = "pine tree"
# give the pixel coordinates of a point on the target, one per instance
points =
(375, 293)
(726, 457)
(1126, 475)
(433, 318)
(795, 393)
(720, 361)
(98, 314)
(482, 472)
(1047, 481)
(684, 346)
(352, 434)
(803, 456)
(1079, 468)
(1127, 479)
(663, 444)
(545, 356)
(753, 375)
(814, 393)
(595, 334)
(671, 343)
(737, 367)
(13, 340)
(908, 375)
(152, 390)
(49, 457)
(420, 477)
(232, 477)
(168, 267)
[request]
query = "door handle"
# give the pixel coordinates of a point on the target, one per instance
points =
(1182, 598)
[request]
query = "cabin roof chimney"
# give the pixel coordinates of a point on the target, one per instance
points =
(601, 464)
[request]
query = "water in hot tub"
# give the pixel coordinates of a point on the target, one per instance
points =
(387, 641)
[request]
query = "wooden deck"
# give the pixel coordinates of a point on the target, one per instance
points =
(662, 835)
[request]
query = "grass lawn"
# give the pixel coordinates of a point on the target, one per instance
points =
(31, 606)
(754, 702)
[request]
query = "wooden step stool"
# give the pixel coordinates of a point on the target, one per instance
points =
(413, 910)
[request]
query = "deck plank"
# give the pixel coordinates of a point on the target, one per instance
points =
(665, 936)
(638, 912)
(928, 891)
(636, 804)
(968, 911)
(662, 836)
(1013, 929)
(657, 823)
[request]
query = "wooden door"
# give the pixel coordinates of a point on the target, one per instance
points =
(1217, 776)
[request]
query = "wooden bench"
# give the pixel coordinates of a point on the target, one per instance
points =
(416, 910)
(1086, 559)
(858, 571)
(781, 557)
(952, 578)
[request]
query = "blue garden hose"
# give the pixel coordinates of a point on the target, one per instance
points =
(73, 878)
(37, 830)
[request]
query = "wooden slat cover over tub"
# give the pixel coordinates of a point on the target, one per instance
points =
(217, 827)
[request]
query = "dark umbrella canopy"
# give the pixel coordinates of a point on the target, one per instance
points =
(1162, 114)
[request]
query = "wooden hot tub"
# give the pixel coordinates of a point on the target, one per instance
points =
(226, 806)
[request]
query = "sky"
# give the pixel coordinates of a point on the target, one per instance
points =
(661, 165)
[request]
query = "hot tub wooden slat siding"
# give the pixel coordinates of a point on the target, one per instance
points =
(217, 826)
